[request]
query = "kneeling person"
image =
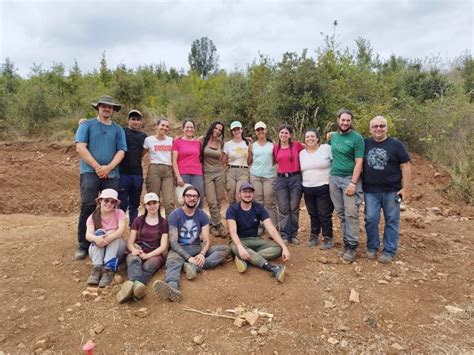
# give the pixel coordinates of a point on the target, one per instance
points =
(188, 226)
(243, 219)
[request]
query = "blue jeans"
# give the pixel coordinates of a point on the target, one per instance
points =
(90, 187)
(385, 201)
(174, 262)
(347, 208)
(143, 270)
(288, 191)
(198, 182)
(129, 192)
(319, 206)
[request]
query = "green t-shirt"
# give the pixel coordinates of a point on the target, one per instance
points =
(345, 149)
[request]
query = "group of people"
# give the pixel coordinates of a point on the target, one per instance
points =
(264, 182)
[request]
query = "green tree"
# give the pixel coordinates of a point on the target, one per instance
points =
(203, 57)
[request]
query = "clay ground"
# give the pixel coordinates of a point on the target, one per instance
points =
(402, 306)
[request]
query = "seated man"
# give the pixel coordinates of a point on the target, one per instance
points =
(243, 219)
(187, 226)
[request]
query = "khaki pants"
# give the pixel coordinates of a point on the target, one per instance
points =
(234, 178)
(214, 186)
(264, 194)
(160, 180)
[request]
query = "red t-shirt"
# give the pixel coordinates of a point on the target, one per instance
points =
(188, 156)
(150, 237)
(288, 161)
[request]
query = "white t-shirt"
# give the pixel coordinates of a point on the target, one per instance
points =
(160, 150)
(316, 166)
(236, 152)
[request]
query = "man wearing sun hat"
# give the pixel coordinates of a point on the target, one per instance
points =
(101, 144)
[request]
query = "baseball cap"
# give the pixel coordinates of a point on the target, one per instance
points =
(151, 196)
(235, 124)
(260, 124)
(134, 113)
(246, 185)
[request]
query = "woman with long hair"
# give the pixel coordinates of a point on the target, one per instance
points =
(288, 188)
(214, 175)
(187, 164)
(147, 243)
(105, 228)
(159, 178)
(316, 161)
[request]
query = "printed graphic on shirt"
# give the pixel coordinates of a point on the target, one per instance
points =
(377, 158)
(162, 148)
(188, 233)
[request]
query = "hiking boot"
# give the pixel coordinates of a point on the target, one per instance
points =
(313, 240)
(94, 277)
(107, 277)
(240, 264)
(278, 272)
(166, 292)
(80, 254)
(294, 241)
(350, 254)
(223, 233)
(125, 292)
(342, 251)
(139, 290)
(327, 244)
(215, 231)
(190, 271)
(385, 258)
(371, 254)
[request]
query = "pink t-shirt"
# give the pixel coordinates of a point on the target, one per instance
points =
(283, 157)
(111, 223)
(188, 156)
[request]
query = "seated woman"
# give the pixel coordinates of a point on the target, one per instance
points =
(105, 228)
(147, 243)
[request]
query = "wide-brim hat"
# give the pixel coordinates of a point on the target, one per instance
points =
(179, 194)
(108, 100)
(108, 193)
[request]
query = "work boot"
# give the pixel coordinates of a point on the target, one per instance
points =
(80, 254)
(107, 277)
(327, 244)
(240, 264)
(371, 254)
(223, 233)
(313, 240)
(350, 254)
(385, 258)
(294, 241)
(278, 272)
(215, 231)
(139, 290)
(94, 277)
(166, 292)
(125, 292)
(190, 270)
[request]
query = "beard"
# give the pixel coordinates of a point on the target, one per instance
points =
(192, 204)
(345, 130)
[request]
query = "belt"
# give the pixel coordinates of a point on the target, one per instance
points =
(238, 166)
(289, 174)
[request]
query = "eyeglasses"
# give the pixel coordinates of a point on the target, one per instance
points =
(378, 126)
(109, 201)
(191, 196)
(135, 118)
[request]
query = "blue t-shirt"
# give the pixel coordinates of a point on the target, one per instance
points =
(189, 227)
(103, 142)
(247, 221)
(382, 165)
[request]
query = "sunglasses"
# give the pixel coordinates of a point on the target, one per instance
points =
(379, 126)
(109, 201)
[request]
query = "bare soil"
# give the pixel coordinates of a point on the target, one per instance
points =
(402, 306)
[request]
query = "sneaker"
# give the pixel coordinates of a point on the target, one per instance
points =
(313, 240)
(139, 290)
(107, 277)
(279, 272)
(80, 254)
(94, 277)
(371, 254)
(295, 241)
(327, 244)
(190, 271)
(350, 254)
(125, 292)
(240, 264)
(166, 292)
(385, 258)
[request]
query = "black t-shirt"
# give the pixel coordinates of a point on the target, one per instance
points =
(132, 162)
(247, 221)
(382, 165)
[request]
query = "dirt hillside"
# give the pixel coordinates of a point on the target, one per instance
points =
(423, 302)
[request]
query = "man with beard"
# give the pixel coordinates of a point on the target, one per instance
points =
(345, 187)
(190, 249)
(243, 220)
(386, 179)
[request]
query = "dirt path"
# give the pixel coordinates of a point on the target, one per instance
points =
(402, 306)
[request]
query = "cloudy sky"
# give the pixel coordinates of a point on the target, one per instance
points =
(151, 32)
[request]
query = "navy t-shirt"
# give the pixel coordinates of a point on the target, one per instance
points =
(132, 162)
(189, 227)
(247, 221)
(382, 165)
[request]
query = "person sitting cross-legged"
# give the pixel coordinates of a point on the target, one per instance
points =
(243, 219)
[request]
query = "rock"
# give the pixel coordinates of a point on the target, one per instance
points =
(263, 330)
(3, 337)
(97, 299)
(89, 295)
(328, 304)
(199, 339)
(323, 260)
(396, 346)
(344, 343)
(21, 346)
(61, 319)
(382, 282)
(41, 344)
(240, 322)
(342, 328)
(142, 313)
(435, 210)
(437, 175)
(333, 341)
(454, 310)
(98, 329)
(253, 332)
(118, 279)
(56, 263)
(354, 296)
(78, 305)
(22, 310)
(325, 330)
(252, 318)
